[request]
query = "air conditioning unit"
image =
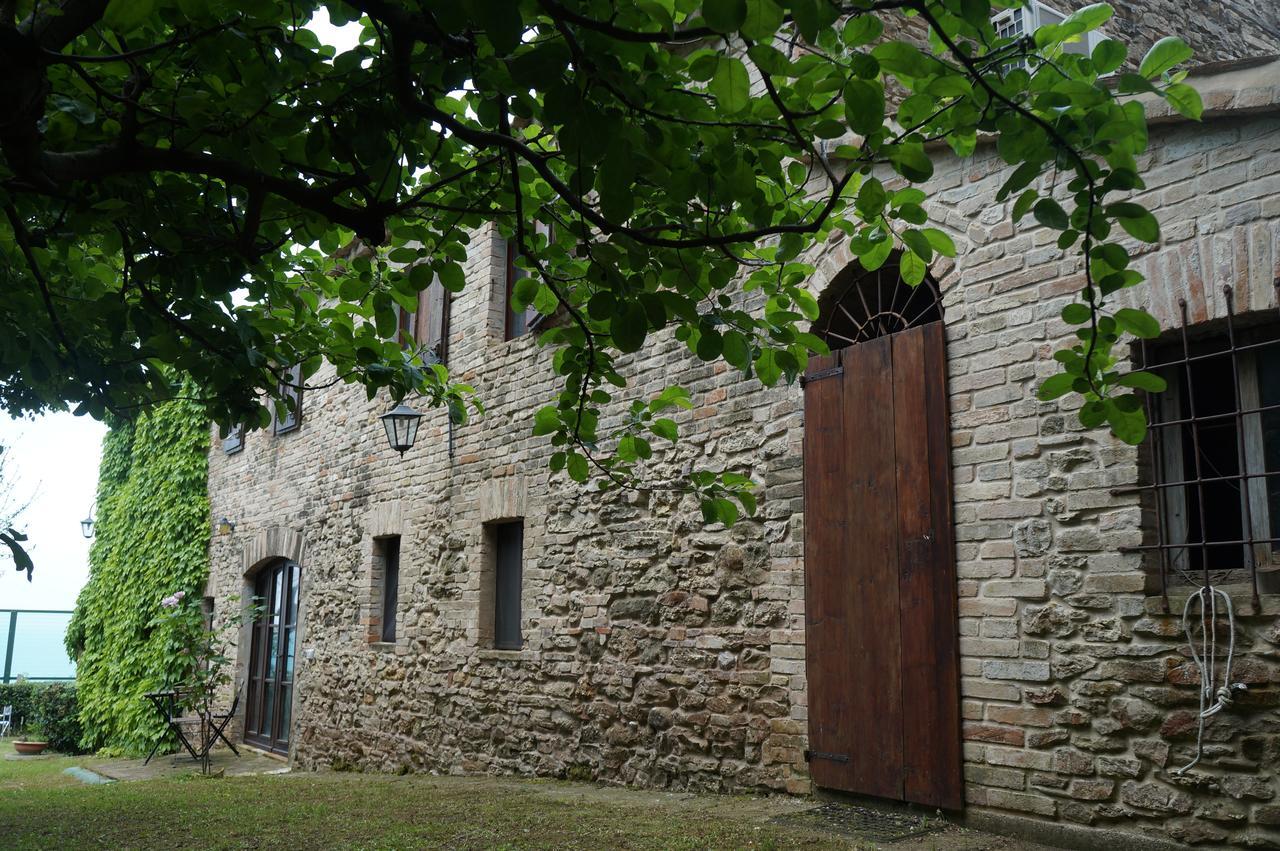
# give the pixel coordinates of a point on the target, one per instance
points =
(1025, 20)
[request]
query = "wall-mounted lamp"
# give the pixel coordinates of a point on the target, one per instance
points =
(225, 526)
(86, 525)
(401, 423)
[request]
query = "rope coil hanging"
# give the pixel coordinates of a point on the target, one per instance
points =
(1213, 697)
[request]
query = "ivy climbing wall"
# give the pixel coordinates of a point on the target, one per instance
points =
(151, 540)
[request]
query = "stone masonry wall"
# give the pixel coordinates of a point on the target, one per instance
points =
(659, 652)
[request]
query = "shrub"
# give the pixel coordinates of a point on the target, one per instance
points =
(51, 706)
(58, 712)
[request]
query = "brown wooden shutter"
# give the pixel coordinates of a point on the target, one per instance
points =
(434, 311)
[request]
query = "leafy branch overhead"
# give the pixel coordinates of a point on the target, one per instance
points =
(160, 156)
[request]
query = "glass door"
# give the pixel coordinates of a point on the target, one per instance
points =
(271, 660)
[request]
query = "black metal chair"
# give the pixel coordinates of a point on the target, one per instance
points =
(218, 724)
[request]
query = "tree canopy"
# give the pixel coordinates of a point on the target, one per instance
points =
(176, 177)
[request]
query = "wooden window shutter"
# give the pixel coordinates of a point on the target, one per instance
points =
(433, 312)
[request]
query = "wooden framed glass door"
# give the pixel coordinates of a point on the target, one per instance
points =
(271, 659)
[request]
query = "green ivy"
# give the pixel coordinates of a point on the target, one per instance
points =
(152, 538)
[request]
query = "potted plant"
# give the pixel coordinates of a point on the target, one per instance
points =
(32, 741)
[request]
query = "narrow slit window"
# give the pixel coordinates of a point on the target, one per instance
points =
(291, 392)
(521, 322)
(508, 582)
(390, 586)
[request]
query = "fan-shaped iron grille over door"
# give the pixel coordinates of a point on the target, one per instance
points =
(866, 305)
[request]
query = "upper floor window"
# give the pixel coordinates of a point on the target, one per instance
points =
(520, 322)
(427, 327)
(1214, 452)
(233, 439)
(290, 388)
(1023, 21)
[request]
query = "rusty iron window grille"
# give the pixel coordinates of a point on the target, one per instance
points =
(1211, 484)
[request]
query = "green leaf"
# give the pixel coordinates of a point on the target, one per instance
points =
(577, 467)
(1127, 419)
(1108, 55)
(861, 29)
(124, 16)
(1136, 221)
(941, 242)
(725, 16)
(546, 420)
(1076, 313)
(1148, 381)
(910, 160)
(912, 268)
(1139, 323)
(762, 21)
(767, 369)
(1185, 99)
(664, 428)
(1055, 386)
(630, 328)
(864, 106)
(1049, 213)
(730, 85)
(1163, 55)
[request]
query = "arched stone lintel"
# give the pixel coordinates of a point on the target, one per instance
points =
(270, 544)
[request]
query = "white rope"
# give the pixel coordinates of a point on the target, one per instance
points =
(1213, 697)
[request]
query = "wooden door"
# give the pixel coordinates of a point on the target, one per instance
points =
(880, 581)
(271, 660)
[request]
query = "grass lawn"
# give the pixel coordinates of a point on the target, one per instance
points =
(40, 807)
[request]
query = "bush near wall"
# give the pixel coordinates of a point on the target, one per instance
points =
(151, 540)
(54, 705)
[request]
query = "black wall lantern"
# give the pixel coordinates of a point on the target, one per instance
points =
(401, 423)
(86, 525)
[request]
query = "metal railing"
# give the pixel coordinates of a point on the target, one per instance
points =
(31, 645)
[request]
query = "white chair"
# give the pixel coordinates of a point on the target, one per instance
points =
(6, 720)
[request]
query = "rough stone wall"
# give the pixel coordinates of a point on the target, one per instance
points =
(1079, 694)
(1215, 29)
(662, 653)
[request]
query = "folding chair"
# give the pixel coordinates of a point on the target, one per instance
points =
(6, 720)
(218, 723)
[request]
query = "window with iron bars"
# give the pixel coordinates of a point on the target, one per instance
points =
(1212, 480)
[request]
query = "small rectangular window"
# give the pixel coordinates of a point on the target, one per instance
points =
(508, 580)
(233, 440)
(291, 391)
(519, 323)
(390, 585)
(1214, 453)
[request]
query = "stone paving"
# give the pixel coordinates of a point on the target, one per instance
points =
(223, 761)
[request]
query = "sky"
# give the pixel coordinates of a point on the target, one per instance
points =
(53, 462)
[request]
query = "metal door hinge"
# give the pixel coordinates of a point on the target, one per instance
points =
(818, 376)
(809, 756)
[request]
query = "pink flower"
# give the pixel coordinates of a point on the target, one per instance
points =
(170, 602)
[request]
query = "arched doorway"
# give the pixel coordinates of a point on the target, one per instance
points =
(271, 656)
(880, 582)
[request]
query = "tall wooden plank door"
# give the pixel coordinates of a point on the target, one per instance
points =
(880, 584)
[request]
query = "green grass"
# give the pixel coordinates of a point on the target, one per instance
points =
(42, 808)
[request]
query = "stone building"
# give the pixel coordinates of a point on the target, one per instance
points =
(461, 610)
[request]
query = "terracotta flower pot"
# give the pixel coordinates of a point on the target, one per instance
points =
(30, 748)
